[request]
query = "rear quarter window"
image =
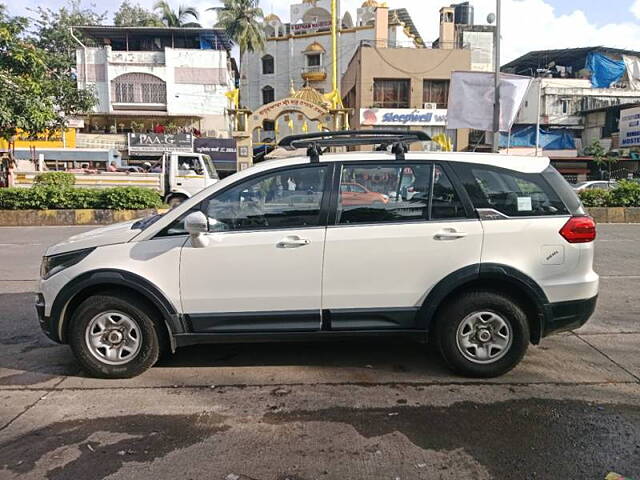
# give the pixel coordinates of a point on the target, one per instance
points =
(514, 194)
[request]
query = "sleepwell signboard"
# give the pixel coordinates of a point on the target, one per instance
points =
(630, 128)
(152, 143)
(403, 117)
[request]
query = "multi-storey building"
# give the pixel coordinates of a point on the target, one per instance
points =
(152, 79)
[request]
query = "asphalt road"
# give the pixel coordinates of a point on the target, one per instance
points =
(323, 411)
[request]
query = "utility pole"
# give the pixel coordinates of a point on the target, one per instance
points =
(496, 104)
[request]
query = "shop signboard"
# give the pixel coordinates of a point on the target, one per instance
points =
(223, 151)
(157, 143)
(402, 117)
(630, 128)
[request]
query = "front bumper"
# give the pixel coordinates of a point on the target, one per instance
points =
(44, 321)
(564, 316)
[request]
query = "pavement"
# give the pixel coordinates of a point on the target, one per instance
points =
(359, 410)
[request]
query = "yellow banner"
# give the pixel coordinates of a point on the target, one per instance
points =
(44, 140)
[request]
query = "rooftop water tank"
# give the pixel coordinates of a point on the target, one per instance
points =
(463, 13)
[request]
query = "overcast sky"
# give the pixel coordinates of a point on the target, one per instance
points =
(527, 24)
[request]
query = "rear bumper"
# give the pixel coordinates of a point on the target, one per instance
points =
(564, 316)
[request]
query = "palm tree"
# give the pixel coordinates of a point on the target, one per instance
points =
(242, 20)
(180, 18)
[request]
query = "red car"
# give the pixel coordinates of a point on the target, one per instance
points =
(356, 194)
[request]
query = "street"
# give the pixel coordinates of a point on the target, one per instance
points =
(365, 410)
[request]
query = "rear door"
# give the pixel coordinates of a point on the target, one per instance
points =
(522, 215)
(382, 258)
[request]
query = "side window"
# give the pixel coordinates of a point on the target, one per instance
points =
(511, 193)
(285, 199)
(446, 202)
(189, 165)
(384, 194)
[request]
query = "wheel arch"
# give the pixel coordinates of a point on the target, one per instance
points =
(490, 276)
(93, 282)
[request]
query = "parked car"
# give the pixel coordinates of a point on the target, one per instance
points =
(498, 257)
(356, 194)
(592, 185)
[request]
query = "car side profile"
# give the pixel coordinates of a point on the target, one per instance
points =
(489, 253)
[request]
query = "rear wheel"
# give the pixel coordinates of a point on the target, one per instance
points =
(113, 337)
(482, 334)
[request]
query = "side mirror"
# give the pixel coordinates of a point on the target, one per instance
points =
(197, 226)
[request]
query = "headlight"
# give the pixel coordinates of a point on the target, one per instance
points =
(56, 263)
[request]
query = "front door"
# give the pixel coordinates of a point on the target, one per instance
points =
(389, 248)
(262, 268)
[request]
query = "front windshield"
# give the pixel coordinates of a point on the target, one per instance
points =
(211, 170)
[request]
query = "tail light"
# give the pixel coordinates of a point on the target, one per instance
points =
(579, 230)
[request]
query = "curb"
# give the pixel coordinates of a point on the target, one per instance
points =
(40, 218)
(615, 214)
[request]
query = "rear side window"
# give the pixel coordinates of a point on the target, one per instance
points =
(511, 193)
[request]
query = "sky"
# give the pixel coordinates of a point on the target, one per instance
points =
(527, 24)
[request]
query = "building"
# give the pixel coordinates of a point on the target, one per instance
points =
(298, 52)
(457, 30)
(568, 97)
(148, 78)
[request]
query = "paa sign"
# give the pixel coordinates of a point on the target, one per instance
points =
(403, 117)
(630, 128)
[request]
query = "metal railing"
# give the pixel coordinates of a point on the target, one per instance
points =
(314, 69)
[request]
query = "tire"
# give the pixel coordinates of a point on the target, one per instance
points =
(464, 322)
(107, 314)
(175, 201)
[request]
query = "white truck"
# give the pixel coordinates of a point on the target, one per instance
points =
(176, 176)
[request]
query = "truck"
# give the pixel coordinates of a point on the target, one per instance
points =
(176, 176)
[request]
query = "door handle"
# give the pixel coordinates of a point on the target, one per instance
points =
(293, 241)
(449, 234)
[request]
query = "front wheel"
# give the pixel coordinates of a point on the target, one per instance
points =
(482, 334)
(113, 337)
(175, 201)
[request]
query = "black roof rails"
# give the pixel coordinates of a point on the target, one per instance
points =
(314, 142)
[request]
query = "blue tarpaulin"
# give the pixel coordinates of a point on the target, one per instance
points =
(549, 139)
(604, 71)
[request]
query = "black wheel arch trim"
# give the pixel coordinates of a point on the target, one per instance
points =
(488, 271)
(118, 278)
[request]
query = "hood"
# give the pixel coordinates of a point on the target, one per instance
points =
(109, 235)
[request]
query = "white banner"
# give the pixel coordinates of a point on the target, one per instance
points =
(630, 128)
(403, 117)
(471, 99)
(633, 71)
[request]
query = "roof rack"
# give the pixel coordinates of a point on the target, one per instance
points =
(315, 142)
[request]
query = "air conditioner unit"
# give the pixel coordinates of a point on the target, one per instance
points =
(430, 106)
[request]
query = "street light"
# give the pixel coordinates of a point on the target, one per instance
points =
(496, 103)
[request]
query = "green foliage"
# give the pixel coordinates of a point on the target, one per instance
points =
(242, 20)
(595, 198)
(56, 198)
(37, 85)
(134, 15)
(60, 179)
(626, 194)
(182, 18)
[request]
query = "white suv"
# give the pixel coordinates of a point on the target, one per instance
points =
(488, 254)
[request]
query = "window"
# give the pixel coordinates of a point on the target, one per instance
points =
(267, 65)
(138, 88)
(511, 193)
(189, 165)
(314, 60)
(436, 91)
(445, 203)
(380, 194)
(269, 126)
(391, 93)
(268, 95)
(284, 199)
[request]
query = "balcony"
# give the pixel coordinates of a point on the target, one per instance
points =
(315, 73)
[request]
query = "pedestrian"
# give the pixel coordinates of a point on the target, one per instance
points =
(112, 167)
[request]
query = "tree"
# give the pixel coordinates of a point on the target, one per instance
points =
(171, 18)
(601, 157)
(133, 15)
(242, 20)
(35, 97)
